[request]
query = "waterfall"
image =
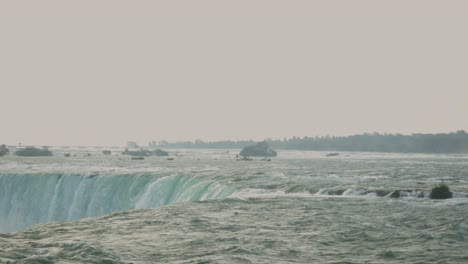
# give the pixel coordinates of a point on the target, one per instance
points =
(27, 199)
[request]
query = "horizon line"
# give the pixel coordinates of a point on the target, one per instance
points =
(238, 140)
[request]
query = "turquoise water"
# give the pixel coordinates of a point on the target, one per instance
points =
(206, 207)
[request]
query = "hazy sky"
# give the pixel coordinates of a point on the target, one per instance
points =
(104, 72)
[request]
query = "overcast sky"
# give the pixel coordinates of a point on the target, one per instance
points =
(104, 72)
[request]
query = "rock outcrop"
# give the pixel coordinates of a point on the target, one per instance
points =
(4, 150)
(33, 152)
(395, 194)
(261, 149)
(440, 192)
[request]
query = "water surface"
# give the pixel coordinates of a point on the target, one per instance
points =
(206, 207)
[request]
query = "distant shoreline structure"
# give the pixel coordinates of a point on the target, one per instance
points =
(441, 143)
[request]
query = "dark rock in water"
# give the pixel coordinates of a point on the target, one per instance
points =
(395, 194)
(106, 152)
(261, 149)
(381, 193)
(170, 158)
(4, 150)
(160, 152)
(138, 158)
(333, 154)
(33, 152)
(67, 155)
(440, 192)
(336, 192)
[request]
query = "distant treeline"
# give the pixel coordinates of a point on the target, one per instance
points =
(456, 142)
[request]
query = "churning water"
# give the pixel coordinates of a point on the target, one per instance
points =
(206, 207)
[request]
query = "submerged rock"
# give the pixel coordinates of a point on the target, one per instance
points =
(4, 150)
(67, 155)
(395, 194)
(381, 193)
(138, 158)
(333, 154)
(106, 152)
(261, 149)
(440, 192)
(33, 152)
(336, 192)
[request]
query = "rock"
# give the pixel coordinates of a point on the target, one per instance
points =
(160, 152)
(261, 149)
(395, 194)
(4, 150)
(334, 154)
(336, 192)
(381, 193)
(440, 192)
(67, 155)
(106, 152)
(33, 152)
(138, 158)
(170, 158)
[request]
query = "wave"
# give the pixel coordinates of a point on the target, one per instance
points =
(27, 199)
(253, 193)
